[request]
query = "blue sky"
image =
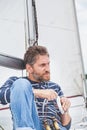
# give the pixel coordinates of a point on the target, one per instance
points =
(81, 6)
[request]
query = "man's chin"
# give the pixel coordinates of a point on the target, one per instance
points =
(46, 79)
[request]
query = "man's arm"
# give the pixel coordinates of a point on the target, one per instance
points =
(48, 94)
(5, 90)
(65, 118)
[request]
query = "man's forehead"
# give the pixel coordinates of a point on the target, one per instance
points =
(43, 58)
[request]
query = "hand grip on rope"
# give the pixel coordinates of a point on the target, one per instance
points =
(59, 105)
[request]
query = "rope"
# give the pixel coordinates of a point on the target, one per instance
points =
(36, 23)
(1, 128)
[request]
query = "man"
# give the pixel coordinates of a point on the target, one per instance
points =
(33, 98)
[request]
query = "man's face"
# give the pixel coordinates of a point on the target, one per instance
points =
(41, 69)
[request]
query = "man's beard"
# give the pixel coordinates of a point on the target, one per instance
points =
(41, 78)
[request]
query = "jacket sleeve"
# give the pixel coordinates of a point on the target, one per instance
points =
(5, 90)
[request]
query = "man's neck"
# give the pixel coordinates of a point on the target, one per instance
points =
(32, 80)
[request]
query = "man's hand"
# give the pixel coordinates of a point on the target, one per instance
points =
(48, 94)
(65, 118)
(65, 103)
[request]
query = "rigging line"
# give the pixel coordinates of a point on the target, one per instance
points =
(28, 21)
(43, 107)
(27, 24)
(36, 23)
(25, 35)
(1, 127)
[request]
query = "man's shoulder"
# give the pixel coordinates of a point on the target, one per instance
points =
(13, 78)
(56, 87)
(51, 83)
(9, 81)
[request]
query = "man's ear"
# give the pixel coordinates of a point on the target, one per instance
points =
(29, 68)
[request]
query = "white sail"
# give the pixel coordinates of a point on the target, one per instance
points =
(59, 32)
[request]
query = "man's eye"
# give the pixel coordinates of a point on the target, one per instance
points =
(43, 65)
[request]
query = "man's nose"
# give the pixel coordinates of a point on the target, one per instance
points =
(47, 68)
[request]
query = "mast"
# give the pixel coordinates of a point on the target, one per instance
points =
(31, 27)
(83, 75)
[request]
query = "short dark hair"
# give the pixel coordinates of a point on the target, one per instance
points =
(32, 53)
